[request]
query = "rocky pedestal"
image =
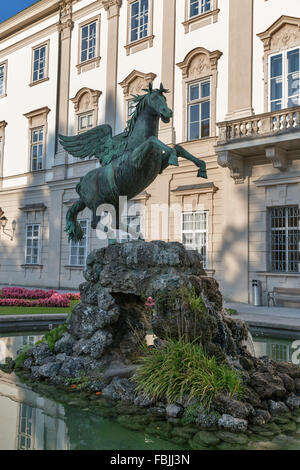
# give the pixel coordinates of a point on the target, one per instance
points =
(106, 333)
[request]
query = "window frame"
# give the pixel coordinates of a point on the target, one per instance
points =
(206, 232)
(195, 102)
(286, 229)
(285, 96)
(5, 65)
(85, 114)
(144, 42)
(45, 44)
(76, 245)
(36, 129)
(88, 64)
(192, 23)
(31, 263)
(199, 5)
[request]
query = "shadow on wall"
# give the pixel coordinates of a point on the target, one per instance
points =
(244, 240)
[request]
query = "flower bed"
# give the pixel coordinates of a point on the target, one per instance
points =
(20, 297)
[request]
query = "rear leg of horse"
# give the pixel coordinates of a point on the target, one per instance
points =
(73, 228)
(188, 156)
(141, 152)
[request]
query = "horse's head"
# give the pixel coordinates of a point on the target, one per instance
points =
(158, 103)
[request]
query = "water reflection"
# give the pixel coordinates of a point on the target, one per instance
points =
(31, 421)
(277, 348)
(10, 345)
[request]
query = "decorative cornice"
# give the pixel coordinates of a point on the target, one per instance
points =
(94, 95)
(235, 164)
(134, 75)
(33, 208)
(195, 189)
(266, 36)
(211, 57)
(278, 157)
(37, 112)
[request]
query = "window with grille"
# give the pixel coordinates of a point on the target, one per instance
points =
(25, 431)
(39, 63)
(132, 223)
(78, 250)
(32, 244)
(285, 239)
(194, 233)
(37, 146)
(285, 80)
(139, 20)
(199, 6)
(198, 109)
(88, 35)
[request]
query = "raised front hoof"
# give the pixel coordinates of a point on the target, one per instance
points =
(202, 174)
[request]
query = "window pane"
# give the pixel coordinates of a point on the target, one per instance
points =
(194, 7)
(205, 89)
(205, 128)
(293, 61)
(205, 110)
(194, 131)
(276, 66)
(276, 88)
(194, 92)
(194, 113)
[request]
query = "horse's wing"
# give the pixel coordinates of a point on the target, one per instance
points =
(94, 142)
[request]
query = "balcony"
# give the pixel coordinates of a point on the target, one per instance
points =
(271, 135)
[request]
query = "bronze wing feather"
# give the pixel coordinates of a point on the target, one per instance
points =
(94, 142)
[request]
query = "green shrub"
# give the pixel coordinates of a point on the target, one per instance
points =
(22, 356)
(182, 368)
(52, 336)
(231, 311)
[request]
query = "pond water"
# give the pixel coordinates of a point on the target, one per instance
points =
(29, 419)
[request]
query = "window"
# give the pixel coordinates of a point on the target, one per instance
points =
(25, 434)
(78, 250)
(39, 71)
(198, 110)
(132, 224)
(284, 80)
(85, 122)
(199, 6)
(32, 244)
(3, 79)
(88, 34)
(130, 108)
(139, 20)
(36, 151)
(195, 233)
(285, 239)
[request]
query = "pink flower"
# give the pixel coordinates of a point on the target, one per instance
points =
(150, 302)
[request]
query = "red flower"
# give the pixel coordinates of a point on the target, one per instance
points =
(150, 302)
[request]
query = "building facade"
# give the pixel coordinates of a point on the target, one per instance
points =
(232, 69)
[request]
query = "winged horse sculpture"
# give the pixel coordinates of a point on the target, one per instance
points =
(130, 161)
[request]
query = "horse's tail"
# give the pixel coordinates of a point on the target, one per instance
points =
(73, 228)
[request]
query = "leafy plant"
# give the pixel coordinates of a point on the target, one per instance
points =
(22, 356)
(231, 311)
(52, 336)
(182, 368)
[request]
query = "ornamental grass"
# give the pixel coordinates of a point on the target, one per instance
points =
(183, 369)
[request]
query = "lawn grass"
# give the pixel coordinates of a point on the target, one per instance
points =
(37, 310)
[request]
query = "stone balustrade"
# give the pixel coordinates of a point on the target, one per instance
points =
(259, 125)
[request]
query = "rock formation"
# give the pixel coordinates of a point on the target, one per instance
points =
(106, 330)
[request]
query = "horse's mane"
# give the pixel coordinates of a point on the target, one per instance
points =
(140, 102)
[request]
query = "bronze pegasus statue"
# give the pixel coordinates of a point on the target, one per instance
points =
(130, 161)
